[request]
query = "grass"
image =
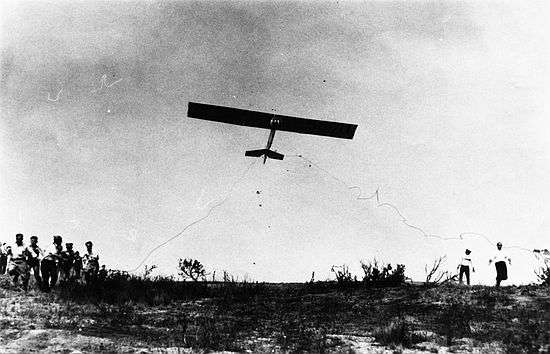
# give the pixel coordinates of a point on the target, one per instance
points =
(397, 332)
(132, 312)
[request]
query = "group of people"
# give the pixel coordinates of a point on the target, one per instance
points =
(48, 264)
(500, 258)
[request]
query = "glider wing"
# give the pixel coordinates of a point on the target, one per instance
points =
(270, 121)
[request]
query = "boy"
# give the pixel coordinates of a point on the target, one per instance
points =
(464, 267)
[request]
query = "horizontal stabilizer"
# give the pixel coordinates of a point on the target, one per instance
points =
(274, 155)
(269, 153)
(256, 153)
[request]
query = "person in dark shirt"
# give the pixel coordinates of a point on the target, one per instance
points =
(67, 263)
(49, 265)
(35, 257)
(77, 266)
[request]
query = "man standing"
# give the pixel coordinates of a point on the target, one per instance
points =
(35, 256)
(465, 266)
(18, 266)
(90, 262)
(500, 259)
(77, 266)
(51, 258)
(67, 262)
(3, 258)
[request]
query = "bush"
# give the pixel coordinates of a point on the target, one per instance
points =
(342, 273)
(375, 274)
(434, 276)
(119, 287)
(191, 269)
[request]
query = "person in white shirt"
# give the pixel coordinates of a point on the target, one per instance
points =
(90, 264)
(3, 258)
(500, 258)
(18, 267)
(36, 255)
(464, 266)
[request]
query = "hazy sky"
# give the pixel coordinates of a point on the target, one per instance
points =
(451, 100)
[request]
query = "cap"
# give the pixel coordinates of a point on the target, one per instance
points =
(88, 243)
(468, 251)
(18, 235)
(34, 237)
(499, 243)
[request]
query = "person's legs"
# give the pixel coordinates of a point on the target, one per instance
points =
(67, 273)
(25, 278)
(467, 272)
(3, 263)
(49, 274)
(13, 272)
(54, 274)
(34, 266)
(460, 274)
(15, 279)
(45, 268)
(36, 272)
(502, 273)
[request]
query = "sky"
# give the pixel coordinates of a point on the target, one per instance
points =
(450, 98)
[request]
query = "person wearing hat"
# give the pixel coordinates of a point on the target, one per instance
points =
(49, 265)
(77, 266)
(500, 257)
(90, 264)
(464, 267)
(67, 262)
(18, 267)
(36, 255)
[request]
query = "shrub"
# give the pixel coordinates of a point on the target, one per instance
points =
(342, 274)
(434, 276)
(118, 287)
(375, 274)
(191, 269)
(148, 270)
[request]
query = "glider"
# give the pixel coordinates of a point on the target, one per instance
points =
(270, 121)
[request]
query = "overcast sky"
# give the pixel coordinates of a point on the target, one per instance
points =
(451, 100)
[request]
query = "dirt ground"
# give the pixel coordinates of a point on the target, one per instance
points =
(320, 317)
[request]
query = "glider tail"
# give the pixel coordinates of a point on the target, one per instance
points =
(266, 153)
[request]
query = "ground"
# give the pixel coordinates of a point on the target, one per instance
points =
(166, 316)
